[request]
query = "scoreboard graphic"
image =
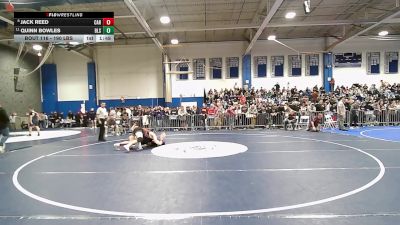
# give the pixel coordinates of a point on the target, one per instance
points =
(64, 27)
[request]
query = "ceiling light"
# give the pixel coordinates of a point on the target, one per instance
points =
(383, 33)
(39, 54)
(290, 15)
(174, 41)
(74, 43)
(272, 37)
(165, 19)
(37, 47)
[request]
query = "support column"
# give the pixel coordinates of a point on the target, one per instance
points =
(167, 81)
(327, 76)
(246, 71)
(92, 86)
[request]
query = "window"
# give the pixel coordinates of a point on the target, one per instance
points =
(294, 65)
(182, 67)
(216, 68)
(277, 66)
(260, 67)
(199, 66)
(312, 65)
(391, 62)
(233, 67)
(373, 62)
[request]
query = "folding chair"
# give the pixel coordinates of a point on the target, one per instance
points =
(329, 122)
(304, 121)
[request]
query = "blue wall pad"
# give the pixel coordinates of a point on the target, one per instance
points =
(134, 102)
(49, 88)
(74, 106)
(176, 102)
(246, 70)
(91, 70)
(327, 70)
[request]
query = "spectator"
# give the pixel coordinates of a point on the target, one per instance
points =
(290, 118)
(4, 130)
(314, 125)
(33, 121)
(42, 120)
(13, 118)
(182, 117)
(355, 107)
(341, 110)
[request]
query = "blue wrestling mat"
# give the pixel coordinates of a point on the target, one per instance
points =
(389, 133)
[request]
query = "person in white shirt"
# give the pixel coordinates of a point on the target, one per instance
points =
(102, 117)
(182, 116)
(341, 111)
(129, 112)
(113, 113)
(13, 118)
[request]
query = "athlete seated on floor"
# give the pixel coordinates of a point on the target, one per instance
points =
(315, 123)
(141, 136)
(290, 118)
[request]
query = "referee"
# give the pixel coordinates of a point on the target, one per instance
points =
(102, 117)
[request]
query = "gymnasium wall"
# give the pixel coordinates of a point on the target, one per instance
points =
(271, 48)
(195, 88)
(134, 72)
(18, 101)
(72, 77)
(343, 76)
(349, 76)
(65, 82)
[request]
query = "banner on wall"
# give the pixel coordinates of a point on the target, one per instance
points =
(260, 66)
(199, 66)
(295, 65)
(277, 65)
(391, 62)
(233, 61)
(216, 68)
(312, 64)
(373, 62)
(348, 59)
(216, 62)
(182, 65)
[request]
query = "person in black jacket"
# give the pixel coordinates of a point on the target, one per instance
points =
(4, 130)
(33, 121)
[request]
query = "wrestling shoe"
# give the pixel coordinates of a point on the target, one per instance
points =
(139, 146)
(126, 147)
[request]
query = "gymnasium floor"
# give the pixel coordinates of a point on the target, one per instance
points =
(267, 177)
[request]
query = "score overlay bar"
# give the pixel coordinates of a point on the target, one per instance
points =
(64, 38)
(64, 27)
